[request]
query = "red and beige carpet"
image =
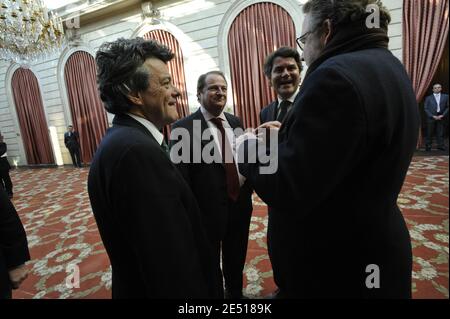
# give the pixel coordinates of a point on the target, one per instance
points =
(54, 207)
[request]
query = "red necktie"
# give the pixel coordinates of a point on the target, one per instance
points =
(230, 168)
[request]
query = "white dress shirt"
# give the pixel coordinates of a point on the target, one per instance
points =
(437, 96)
(150, 127)
(230, 136)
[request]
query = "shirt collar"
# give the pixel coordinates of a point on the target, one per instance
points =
(437, 94)
(150, 127)
(208, 116)
(290, 99)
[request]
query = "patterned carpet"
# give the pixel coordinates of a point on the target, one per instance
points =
(54, 207)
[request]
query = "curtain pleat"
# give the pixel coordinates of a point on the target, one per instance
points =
(256, 32)
(88, 114)
(31, 117)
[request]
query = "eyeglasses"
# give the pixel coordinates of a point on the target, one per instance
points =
(301, 40)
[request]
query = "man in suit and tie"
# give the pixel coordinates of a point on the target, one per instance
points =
(223, 196)
(146, 213)
(71, 140)
(436, 108)
(282, 68)
(5, 179)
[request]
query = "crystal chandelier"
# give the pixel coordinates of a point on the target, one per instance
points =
(28, 31)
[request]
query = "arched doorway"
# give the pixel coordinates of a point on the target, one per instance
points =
(31, 118)
(251, 38)
(176, 69)
(88, 114)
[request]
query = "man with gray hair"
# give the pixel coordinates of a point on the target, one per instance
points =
(343, 154)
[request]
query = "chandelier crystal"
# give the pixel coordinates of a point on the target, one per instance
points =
(28, 31)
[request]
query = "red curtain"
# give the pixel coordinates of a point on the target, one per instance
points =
(30, 113)
(425, 31)
(88, 115)
(256, 32)
(176, 69)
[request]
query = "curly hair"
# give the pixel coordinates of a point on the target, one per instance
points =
(284, 52)
(120, 70)
(342, 12)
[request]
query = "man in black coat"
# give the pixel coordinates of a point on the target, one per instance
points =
(147, 216)
(71, 140)
(5, 179)
(436, 108)
(343, 154)
(282, 68)
(13, 248)
(224, 197)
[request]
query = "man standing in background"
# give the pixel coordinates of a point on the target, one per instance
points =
(71, 140)
(282, 68)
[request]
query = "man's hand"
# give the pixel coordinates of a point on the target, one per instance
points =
(268, 125)
(18, 275)
(440, 117)
(436, 117)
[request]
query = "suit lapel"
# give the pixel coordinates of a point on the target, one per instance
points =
(273, 110)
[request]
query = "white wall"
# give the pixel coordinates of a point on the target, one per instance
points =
(396, 27)
(196, 25)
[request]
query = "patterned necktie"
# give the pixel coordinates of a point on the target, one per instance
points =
(230, 168)
(284, 105)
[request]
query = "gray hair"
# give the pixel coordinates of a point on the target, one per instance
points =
(342, 12)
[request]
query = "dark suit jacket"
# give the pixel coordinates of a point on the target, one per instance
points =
(71, 141)
(4, 164)
(148, 218)
(277, 224)
(208, 181)
(431, 105)
(343, 155)
(269, 112)
(13, 242)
